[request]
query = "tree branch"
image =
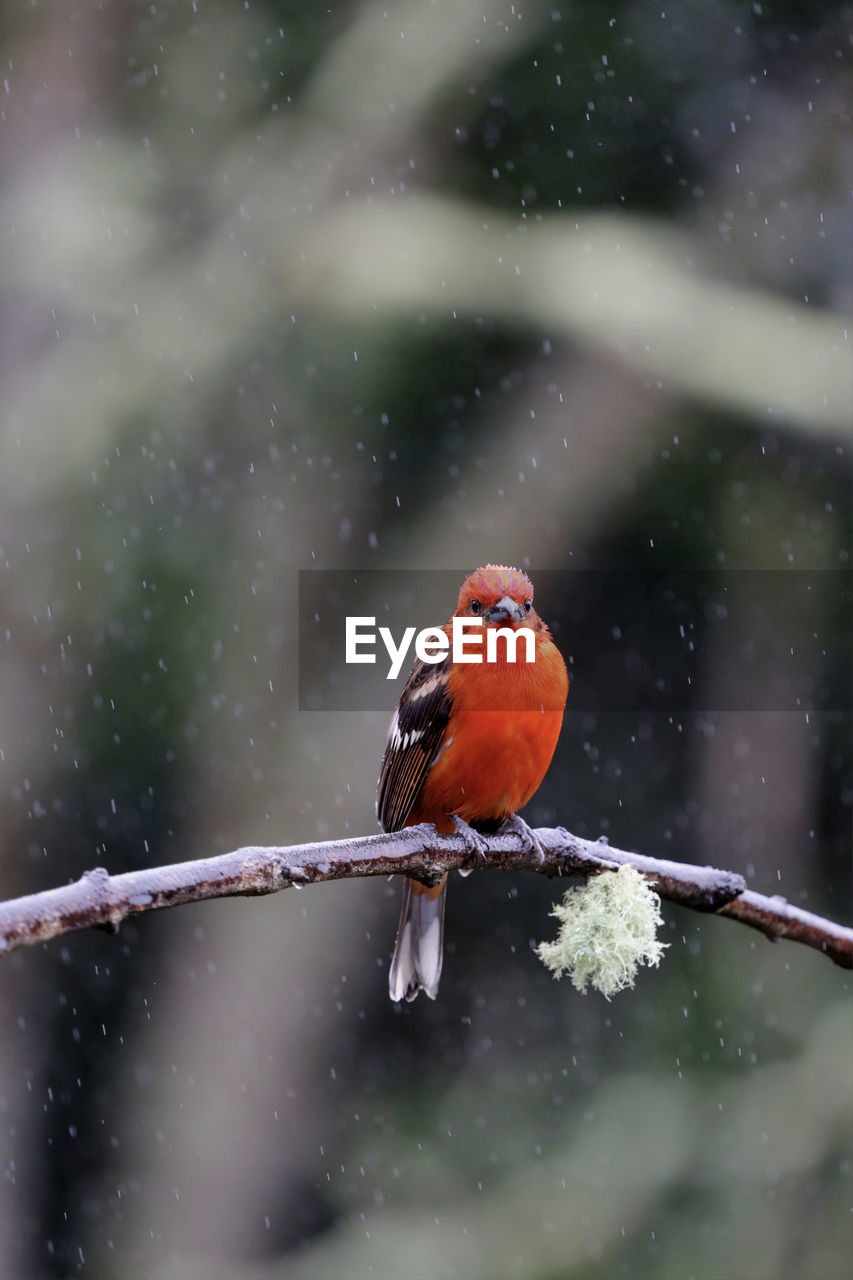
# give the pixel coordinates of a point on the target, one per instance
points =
(101, 900)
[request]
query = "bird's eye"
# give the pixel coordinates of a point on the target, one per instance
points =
(475, 606)
(528, 605)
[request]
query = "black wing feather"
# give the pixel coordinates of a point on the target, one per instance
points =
(414, 739)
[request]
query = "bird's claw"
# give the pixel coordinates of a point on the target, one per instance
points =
(474, 842)
(528, 835)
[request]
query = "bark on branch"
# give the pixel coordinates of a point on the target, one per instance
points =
(101, 900)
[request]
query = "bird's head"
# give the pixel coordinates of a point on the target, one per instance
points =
(501, 596)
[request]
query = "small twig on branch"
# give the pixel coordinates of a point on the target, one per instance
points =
(99, 899)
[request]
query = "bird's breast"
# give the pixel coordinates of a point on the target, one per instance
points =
(499, 742)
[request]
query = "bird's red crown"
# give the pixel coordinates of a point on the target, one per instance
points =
(491, 583)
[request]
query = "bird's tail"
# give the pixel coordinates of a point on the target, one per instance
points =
(419, 949)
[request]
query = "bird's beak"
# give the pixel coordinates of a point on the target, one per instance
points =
(505, 610)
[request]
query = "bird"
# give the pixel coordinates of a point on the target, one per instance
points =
(468, 745)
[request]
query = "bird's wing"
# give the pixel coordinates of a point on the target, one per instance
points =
(414, 739)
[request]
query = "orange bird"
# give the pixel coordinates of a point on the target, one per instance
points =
(468, 745)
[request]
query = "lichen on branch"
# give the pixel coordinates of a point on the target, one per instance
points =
(608, 929)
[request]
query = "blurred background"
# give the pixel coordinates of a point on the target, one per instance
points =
(288, 286)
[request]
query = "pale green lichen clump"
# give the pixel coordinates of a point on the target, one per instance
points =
(608, 929)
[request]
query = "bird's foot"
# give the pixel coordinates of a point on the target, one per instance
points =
(474, 842)
(528, 835)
